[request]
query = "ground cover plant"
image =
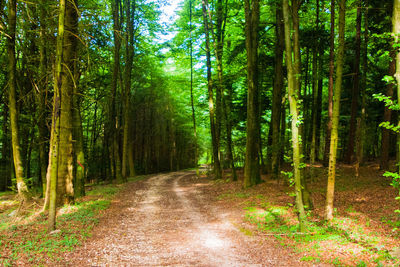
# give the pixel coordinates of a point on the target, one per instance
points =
(24, 239)
(364, 232)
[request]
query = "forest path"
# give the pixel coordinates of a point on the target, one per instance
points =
(174, 220)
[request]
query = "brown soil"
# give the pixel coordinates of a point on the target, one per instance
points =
(176, 220)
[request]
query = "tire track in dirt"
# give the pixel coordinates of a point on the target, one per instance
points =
(169, 220)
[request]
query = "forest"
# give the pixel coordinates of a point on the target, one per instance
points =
(250, 93)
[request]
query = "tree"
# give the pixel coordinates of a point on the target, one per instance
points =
(196, 156)
(396, 33)
(115, 162)
(215, 146)
(60, 169)
(129, 46)
(293, 93)
(335, 114)
(12, 85)
(330, 88)
(315, 93)
(252, 168)
(52, 172)
(277, 93)
(356, 89)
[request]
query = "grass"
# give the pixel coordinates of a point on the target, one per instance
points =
(320, 237)
(358, 236)
(31, 244)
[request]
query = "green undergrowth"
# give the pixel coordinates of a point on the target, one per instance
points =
(30, 243)
(345, 237)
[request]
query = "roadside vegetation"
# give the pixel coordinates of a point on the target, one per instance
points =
(24, 239)
(365, 230)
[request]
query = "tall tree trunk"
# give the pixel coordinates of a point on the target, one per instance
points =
(319, 103)
(41, 96)
(65, 188)
(387, 116)
(219, 35)
(79, 153)
(396, 32)
(297, 88)
(349, 157)
(130, 18)
(196, 150)
(315, 69)
(293, 102)
(51, 191)
(363, 83)
(335, 114)
(227, 111)
(330, 87)
(294, 112)
(252, 168)
(217, 165)
(274, 161)
(115, 162)
(12, 85)
(5, 152)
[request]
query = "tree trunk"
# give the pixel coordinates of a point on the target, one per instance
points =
(227, 110)
(349, 157)
(330, 87)
(12, 85)
(217, 165)
(80, 164)
(252, 168)
(5, 151)
(65, 188)
(130, 18)
(293, 102)
(363, 83)
(396, 32)
(115, 163)
(196, 150)
(315, 69)
(387, 116)
(335, 114)
(41, 96)
(277, 93)
(51, 192)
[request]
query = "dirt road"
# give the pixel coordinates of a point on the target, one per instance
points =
(174, 220)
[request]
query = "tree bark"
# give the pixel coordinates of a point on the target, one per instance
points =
(227, 110)
(387, 116)
(293, 92)
(396, 32)
(41, 96)
(51, 192)
(335, 114)
(349, 157)
(330, 87)
(315, 69)
(115, 162)
(12, 85)
(130, 18)
(252, 168)
(363, 84)
(79, 153)
(217, 165)
(277, 94)
(191, 91)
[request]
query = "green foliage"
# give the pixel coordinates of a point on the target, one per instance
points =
(76, 222)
